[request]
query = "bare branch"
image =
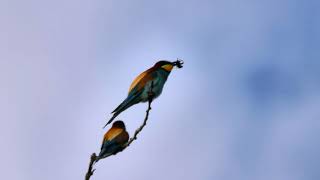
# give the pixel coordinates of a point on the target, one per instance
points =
(134, 137)
(90, 170)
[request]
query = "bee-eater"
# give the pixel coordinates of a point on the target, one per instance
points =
(139, 90)
(114, 140)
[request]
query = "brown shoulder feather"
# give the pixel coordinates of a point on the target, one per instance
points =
(141, 80)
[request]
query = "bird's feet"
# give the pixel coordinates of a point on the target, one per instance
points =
(151, 95)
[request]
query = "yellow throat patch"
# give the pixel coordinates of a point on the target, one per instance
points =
(167, 67)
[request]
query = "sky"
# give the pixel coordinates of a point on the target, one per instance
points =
(245, 105)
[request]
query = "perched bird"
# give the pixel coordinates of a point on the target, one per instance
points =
(113, 140)
(139, 90)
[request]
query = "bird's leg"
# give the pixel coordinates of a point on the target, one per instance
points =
(151, 94)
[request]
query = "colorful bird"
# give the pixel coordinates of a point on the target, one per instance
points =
(114, 140)
(139, 90)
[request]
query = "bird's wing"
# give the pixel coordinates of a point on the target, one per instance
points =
(108, 148)
(141, 80)
(126, 103)
(115, 144)
(110, 135)
(122, 138)
(107, 143)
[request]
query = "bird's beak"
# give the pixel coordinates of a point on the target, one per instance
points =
(178, 63)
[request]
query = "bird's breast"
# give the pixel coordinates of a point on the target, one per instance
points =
(158, 83)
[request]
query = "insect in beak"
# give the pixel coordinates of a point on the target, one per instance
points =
(178, 63)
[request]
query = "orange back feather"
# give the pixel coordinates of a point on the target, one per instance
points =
(141, 80)
(112, 133)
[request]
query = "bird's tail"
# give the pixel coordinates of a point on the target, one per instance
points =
(101, 156)
(129, 101)
(112, 118)
(96, 160)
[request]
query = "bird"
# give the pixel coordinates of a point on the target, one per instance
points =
(139, 91)
(114, 140)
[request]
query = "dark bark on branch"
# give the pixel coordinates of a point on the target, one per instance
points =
(134, 137)
(90, 170)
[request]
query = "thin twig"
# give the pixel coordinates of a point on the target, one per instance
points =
(94, 157)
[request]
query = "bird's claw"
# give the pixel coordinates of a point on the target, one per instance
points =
(178, 63)
(151, 94)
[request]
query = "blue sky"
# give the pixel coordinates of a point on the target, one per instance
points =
(245, 105)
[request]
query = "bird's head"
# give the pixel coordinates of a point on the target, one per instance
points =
(167, 65)
(119, 124)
